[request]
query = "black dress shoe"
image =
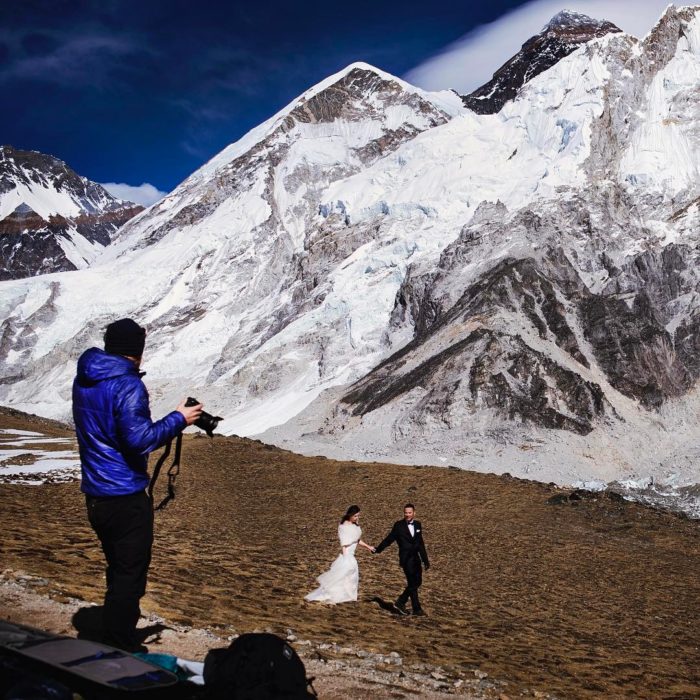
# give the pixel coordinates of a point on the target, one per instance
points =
(420, 612)
(401, 607)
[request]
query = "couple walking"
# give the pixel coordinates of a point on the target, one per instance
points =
(340, 583)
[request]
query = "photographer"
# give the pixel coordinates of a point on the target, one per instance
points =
(115, 436)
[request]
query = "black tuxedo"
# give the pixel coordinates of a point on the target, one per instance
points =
(411, 554)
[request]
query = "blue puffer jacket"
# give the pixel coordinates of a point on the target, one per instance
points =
(113, 424)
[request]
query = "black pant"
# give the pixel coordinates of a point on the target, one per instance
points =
(414, 578)
(124, 525)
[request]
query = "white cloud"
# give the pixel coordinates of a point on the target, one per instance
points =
(81, 57)
(145, 194)
(471, 61)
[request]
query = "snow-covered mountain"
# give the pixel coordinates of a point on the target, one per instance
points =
(382, 273)
(51, 218)
(562, 35)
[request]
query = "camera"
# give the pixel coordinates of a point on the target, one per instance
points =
(206, 421)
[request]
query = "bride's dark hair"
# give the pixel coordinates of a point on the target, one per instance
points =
(350, 512)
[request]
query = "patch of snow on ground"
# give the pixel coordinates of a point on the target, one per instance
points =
(32, 465)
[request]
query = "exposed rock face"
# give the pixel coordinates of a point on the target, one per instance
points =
(29, 246)
(563, 34)
(77, 216)
(496, 367)
(623, 330)
(628, 325)
(486, 370)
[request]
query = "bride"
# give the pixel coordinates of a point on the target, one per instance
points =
(339, 584)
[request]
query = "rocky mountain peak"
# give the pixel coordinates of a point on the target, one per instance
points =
(32, 167)
(568, 19)
(562, 35)
(333, 130)
(358, 92)
(51, 218)
(348, 96)
(662, 41)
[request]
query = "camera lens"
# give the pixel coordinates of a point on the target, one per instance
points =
(206, 421)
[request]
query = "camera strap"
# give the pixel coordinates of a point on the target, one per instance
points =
(173, 471)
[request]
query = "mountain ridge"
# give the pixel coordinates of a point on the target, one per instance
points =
(561, 36)
(51, 218)
(530, 268)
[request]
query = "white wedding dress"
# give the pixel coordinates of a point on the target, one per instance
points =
(340, 583)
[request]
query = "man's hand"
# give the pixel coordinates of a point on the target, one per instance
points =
(191, 413)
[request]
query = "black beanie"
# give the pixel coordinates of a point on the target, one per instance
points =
(125, 337)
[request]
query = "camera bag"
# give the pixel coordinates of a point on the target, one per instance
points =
(258, 666)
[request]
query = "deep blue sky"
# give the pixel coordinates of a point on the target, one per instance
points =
(146, 91)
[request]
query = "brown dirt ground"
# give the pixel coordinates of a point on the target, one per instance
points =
(597, 599)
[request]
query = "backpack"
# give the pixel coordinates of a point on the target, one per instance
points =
(256, 667)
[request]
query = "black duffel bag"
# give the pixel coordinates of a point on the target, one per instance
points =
(256, 667)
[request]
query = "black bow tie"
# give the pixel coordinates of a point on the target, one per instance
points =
(410, 522)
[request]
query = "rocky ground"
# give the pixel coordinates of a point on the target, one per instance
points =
(531, 592)
(338, 670)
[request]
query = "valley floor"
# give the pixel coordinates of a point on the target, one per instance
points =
(574, 599)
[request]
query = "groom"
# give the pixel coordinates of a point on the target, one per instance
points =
(408, 534)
